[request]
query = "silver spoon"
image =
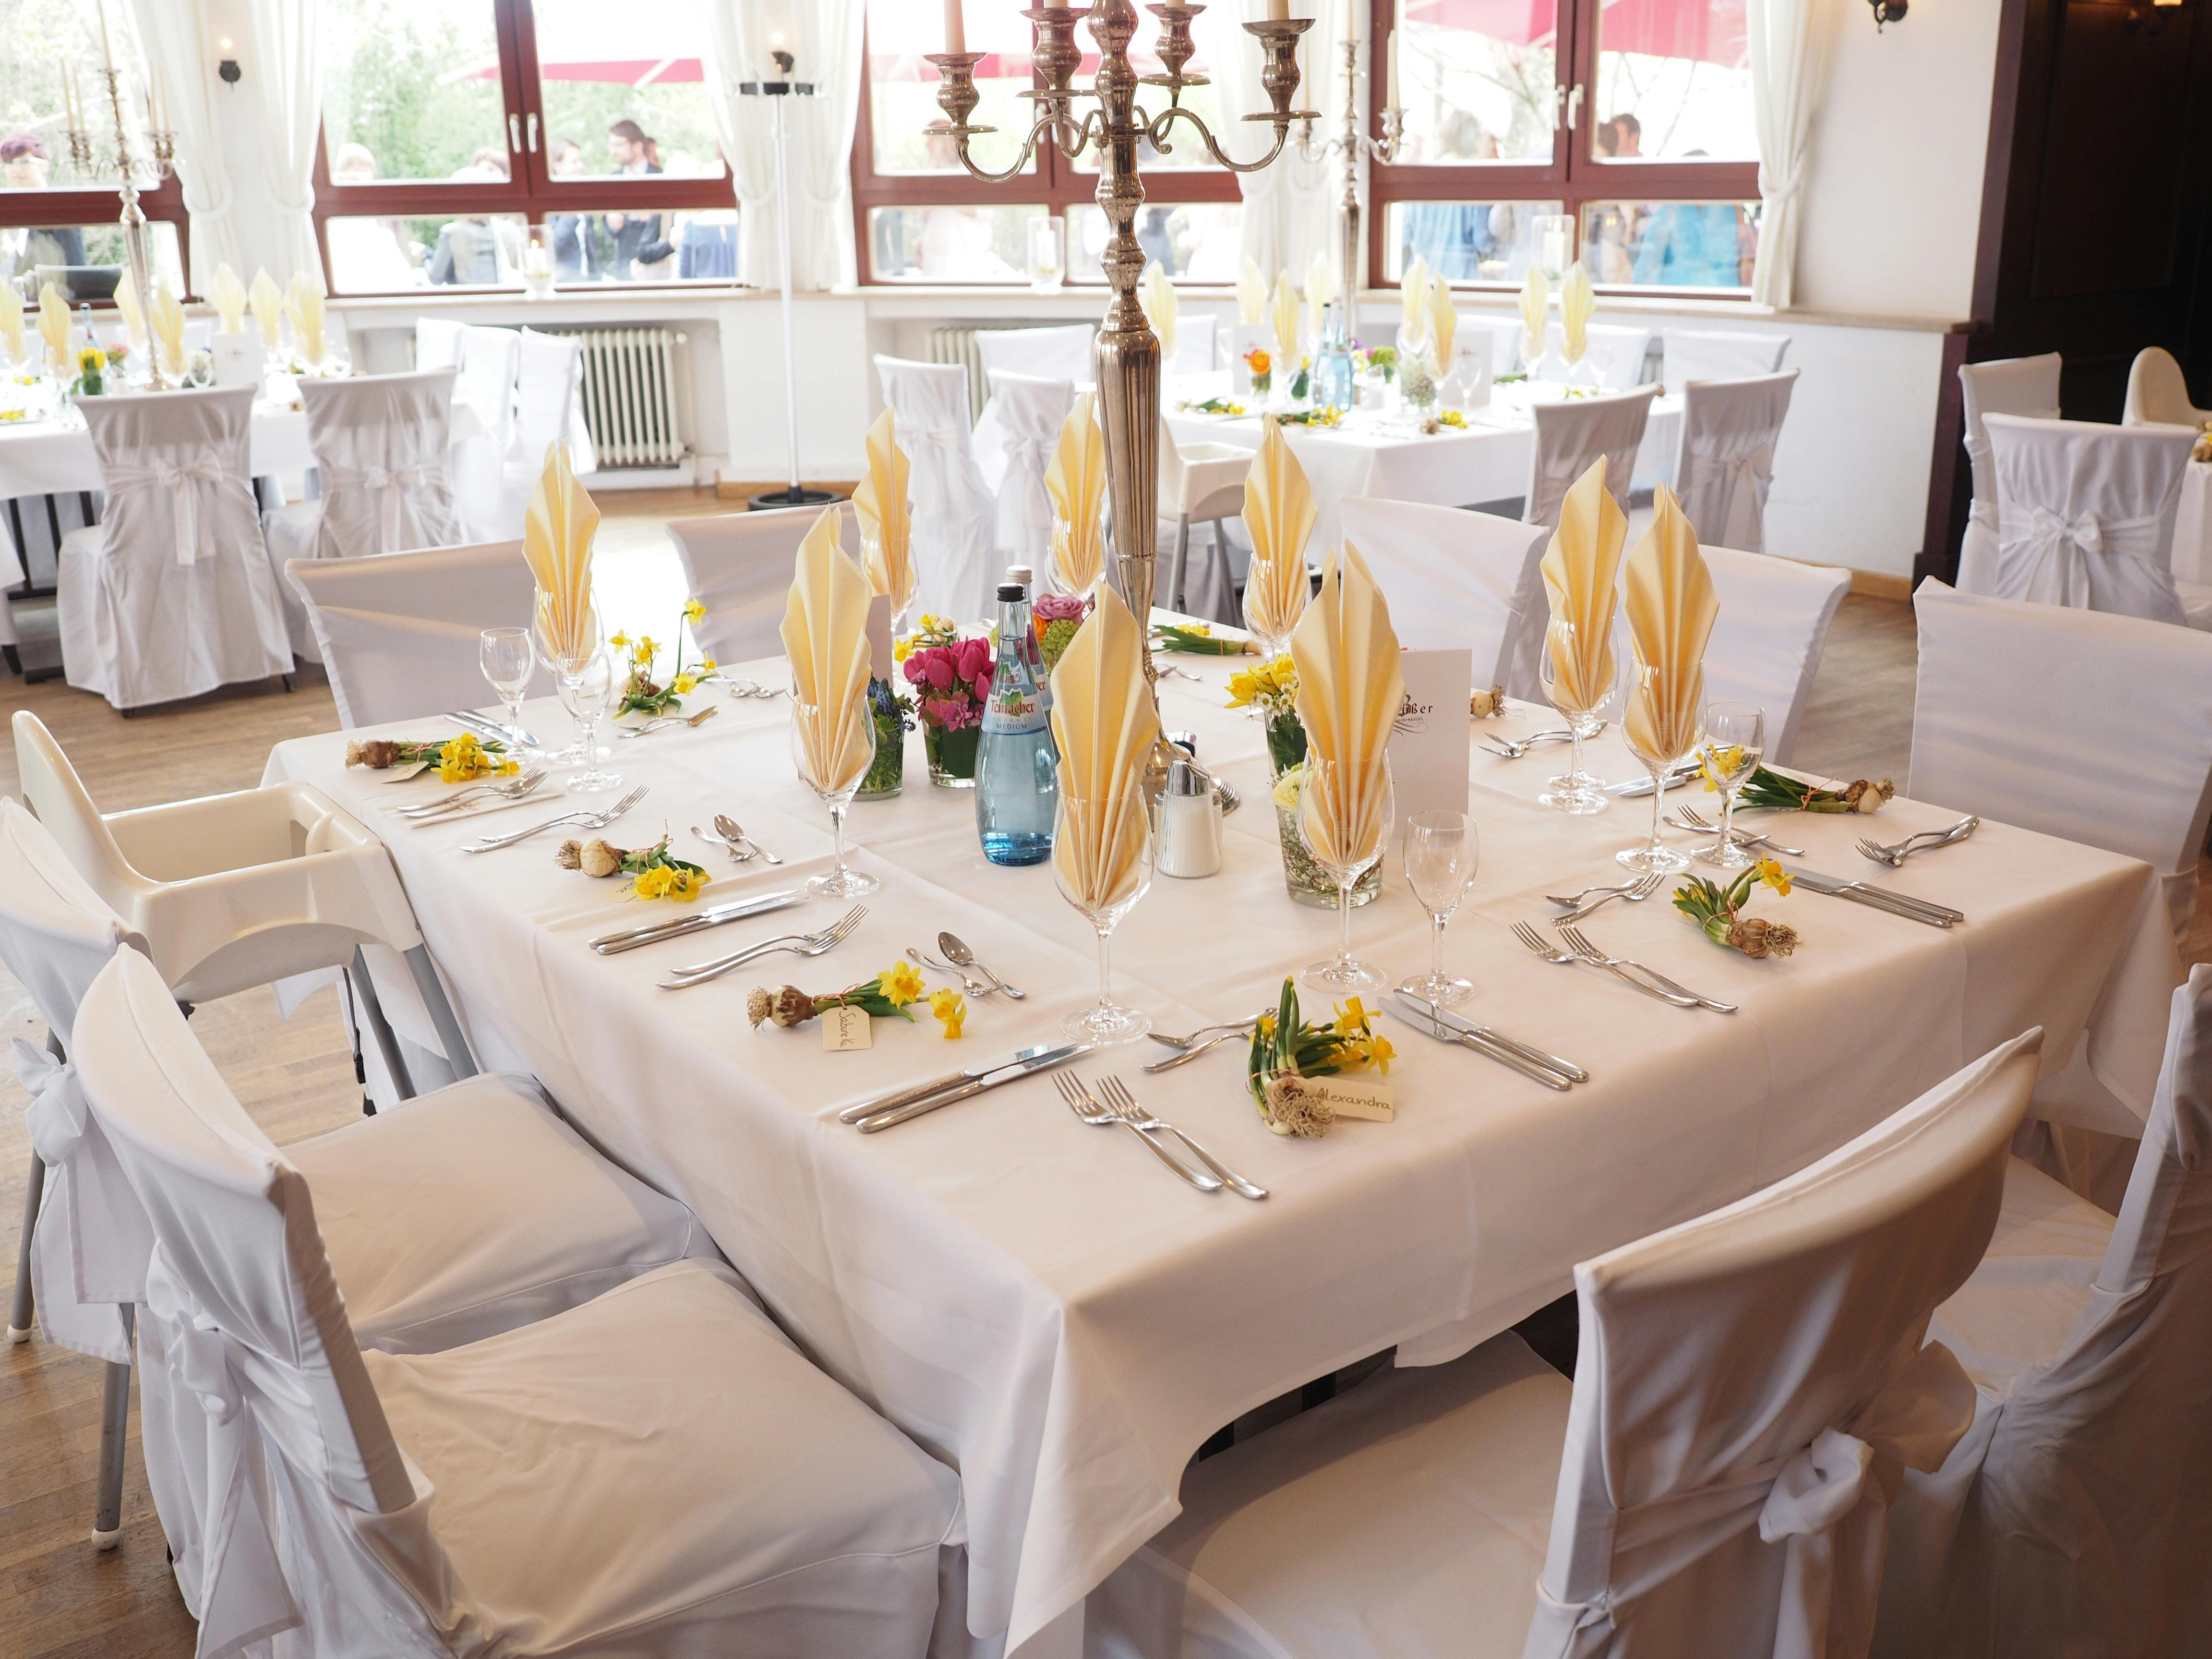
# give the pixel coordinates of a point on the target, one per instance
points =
(738, 854)
(974, 988)
(733, 832)
(960, 956)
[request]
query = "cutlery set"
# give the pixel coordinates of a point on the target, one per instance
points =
(661, 722)
(957, 960)
(580, 820)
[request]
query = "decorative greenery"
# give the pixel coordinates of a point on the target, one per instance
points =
(1326, 414)
(884, 997)
(1056, 617)
(1213, 406)
(458, 759)
(1285, 1050)
(1302, 382)
(1719, 911)
(1198, 639)
(1772, 789)
(893, 713)
(641, 693)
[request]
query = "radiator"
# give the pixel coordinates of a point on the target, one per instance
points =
(629, 394)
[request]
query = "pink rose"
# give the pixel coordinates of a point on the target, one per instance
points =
(1061, 607)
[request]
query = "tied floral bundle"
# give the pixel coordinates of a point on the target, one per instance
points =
(641, 693)
(888, 995)
(653, 874)
(458, 759)
(1326, 414)
(1772, 790)
(949, 674)
(1287, 1053)
(1719, 911)
(1198, 639)
(1443, 418)
(1211, 406)
(1055, 618)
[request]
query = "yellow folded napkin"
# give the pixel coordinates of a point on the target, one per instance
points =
(1414, 327)
(558, 528)
(1535, 305)
(227, 294)
(1320, 288)
(134, 314)
(885, 524)
(1157, 295)
(268, 302)
(1444, 322)
(304, 300)
(1075, 478)
(1349, 692)
(1578, 300)
(169, 325)
(1251, 293)
(11, 322)
(1279, 516)
(54, 329)
(825, 634)
(1285, 309)
(1105, 723)
(1582, 569)
(1671, 607)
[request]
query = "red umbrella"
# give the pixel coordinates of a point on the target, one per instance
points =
(1709, 32)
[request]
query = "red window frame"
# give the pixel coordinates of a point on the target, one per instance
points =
(37, 209)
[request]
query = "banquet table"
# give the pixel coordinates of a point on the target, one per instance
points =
(2192, 525)
(55, 457)
(1042, 1306)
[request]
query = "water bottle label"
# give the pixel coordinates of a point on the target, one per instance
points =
(1014, 714)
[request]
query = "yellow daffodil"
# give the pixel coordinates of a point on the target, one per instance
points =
(653, 883)
(688, 884)
(1352, 1018)
(1379, 1052)
(620, 642)
(1774, 876)
(693, 611)
(949, 1008)
(708, 666)
(682, 684)
(464, 758)
(899, 984)
(1717, 761)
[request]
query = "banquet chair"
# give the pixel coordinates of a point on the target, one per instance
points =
(1458, 578)
(398, 634)
(438, 343)
(2073, 1517)
(1205, 481)
(954, 541)
(2018, 704)
(171, 594)
(1768, 640)
(1713, 354)
(1725, 462)
(2086, 513)
(490, 365)
(1748, 1387)
(2007, 385)
(739, 565)
(1193, 352)
(379, 443)
(1014, 442)
(2157, 394)
(1503, 334)
(581, 1484)
(1044, 354)
(1573, 433)
(1615, 355)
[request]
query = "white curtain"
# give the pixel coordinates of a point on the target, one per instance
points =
(737, 50)
(284, 75)
(823, 250)
(175, 36)
(1291, 207)
(1788, 41)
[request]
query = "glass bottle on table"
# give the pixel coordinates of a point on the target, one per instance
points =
(1332, 369)
(1017, 776)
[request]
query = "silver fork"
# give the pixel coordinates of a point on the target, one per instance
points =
(1579, 943)
(974, 988)
(598, 820)
(1689, 818)
(1077, 1094)
(1514, 748)
(1529, 937)
(1896, 855)
(1227, 1027)
(512, 788)
(664, 721)
(801, 945)
(1124, 1104)
(1635, 893)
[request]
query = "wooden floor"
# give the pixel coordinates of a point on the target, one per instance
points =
(59, 1597)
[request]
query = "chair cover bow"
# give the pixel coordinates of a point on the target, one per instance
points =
(394, 487)
(179, 480)
(1739, 480)
(90, 1250)
(2061, 550)
(1024, 505)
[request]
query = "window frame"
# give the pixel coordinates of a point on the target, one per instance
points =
(37, 209)
(1575, 177)
(529, 189)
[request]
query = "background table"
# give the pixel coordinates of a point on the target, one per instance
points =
(2192, 525)
(55, 458)
(1037, 1302)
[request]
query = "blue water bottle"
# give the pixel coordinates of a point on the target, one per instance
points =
(1017, 780)
(1331, 375)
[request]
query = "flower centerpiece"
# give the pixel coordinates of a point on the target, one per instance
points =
(952, 676)
(653, 872)
(1719, 911)
(1272, 688)
(91, 372)
(1287, 1053)
(1055, 618)
(1263, 370)
(641, 693)
(892, 710)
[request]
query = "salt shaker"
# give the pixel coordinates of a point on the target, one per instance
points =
(1190, 822)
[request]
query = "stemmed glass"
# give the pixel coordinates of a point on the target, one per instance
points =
(564, 664)
(1735, 738)
(1106, 1021)
(1654, 857)
(507, 661)
(590, 695)
(1441, 850)
(842, 881)
(1576, 792)
(1342, 975)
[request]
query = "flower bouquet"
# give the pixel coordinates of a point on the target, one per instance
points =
(641, 693)
(1055, 618)
(91, 372)
(653, 872)
(1719, 911)
(1287, 1053)
(1263, 370)
(885, 996)
(952, 676)
(1272, 688)
(459, 760)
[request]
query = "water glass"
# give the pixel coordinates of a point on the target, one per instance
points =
(590, 694)
(1341, 975)
(1575, 792)
(1441, 850)
(1735, 738)
(842, 881)
(508, 659)
(563, 662)
(1106, 1021)
(1654, 857)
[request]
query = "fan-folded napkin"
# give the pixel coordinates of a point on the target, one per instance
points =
(1105, 723)
(1320, 288)
(1278, 515)
(1535, 302)
(1671, 607)
(885, 523)
(11, 322)
(305, 301)
(825, 634)
(1582, 569)
(169, 325)
(1578, 300)
(1285, 309)
(1251, 293)
(1075, 478)
(133, 313)
(1444, 322)
(1157, 295)
(227, 295)
(1414, 327)
(558, 529)
(1350, 691)
(54, 328)
(268, 302)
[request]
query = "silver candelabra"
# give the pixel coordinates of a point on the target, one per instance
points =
(123, 160)
(1352, 145)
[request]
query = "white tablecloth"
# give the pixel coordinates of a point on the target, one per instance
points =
(1041, 1304)
(55, 458)
(2192, 526)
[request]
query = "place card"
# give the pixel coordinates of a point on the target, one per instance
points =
(237, 358)
(1429, 747)
(1355, 1097)
(844, 1030)
(881, 663)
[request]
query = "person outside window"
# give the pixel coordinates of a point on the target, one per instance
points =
(368, 256)
(570, 233)
(637, 236)
(477, 252)
(25, 164)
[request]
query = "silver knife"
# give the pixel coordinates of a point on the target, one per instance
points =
(610, 944)
(469, 722)
(1565, 1068)
(1676, 777)
(1043, 1062)
(950, 1080)
(1882, 898)
(1444, 1033)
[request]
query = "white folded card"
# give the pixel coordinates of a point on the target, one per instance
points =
(1429, 744)
(238, 358)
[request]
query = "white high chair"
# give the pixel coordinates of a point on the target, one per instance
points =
(1203, 481)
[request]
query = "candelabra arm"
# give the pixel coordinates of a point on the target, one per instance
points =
(1157, 132)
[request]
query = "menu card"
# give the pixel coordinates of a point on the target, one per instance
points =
(1428, 744)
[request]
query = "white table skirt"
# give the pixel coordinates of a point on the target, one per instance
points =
(56, 457)
(1042, 1305)
(2192, 526)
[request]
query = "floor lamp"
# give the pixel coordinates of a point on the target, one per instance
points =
(780, 90)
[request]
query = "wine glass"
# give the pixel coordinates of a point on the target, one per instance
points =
(1654, 857)
(1735, 738)
(1106, 1021)
(1576, 791)
(590, 695)
(562, 662)
(508, 659)
(1441, 850)
(1342, 975)
(842, 881)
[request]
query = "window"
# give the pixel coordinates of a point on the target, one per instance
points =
(488, 144)
(921, 217)
(1632, 117)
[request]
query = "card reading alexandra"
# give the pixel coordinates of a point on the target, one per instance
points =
(1429, 743)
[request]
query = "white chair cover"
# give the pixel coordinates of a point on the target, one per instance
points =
(1712, 354)
(398, 633)
(1572, 433)
(1044, 354)
(1503, 334)
(549, 403)
(955, 537)
(1766, 642)
(2086, 512)
(2018, 705)
(1193, 352)
(1201, 484)
(437, 343)
(739, 566)
(1457, 578)
(2158, 392)
(1616, 354)
(1726, 463)
(2009, 386)
(491, 363)
(1014, 440)
(2075, 1518)
(171, 594)
(335, 1493)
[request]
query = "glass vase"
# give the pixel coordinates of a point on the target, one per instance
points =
(1308, 881)
(887, 776)
(951, 755)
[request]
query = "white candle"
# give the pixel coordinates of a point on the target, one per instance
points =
(1349, 28)
(1278, 12)
(1392, 99)
(106, 51)
(955, 29)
